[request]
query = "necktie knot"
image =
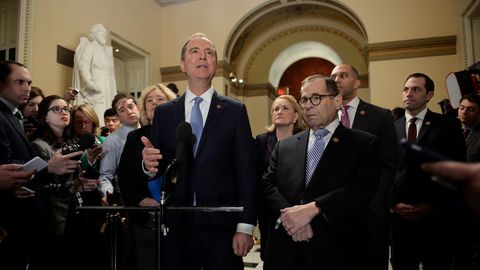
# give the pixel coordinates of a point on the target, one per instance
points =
(320, 133)
(345, 118)
(19, 116)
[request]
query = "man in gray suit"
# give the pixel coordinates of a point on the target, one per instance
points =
(378, 121)
(319, 183)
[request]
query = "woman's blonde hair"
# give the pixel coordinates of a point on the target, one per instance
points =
(88, 110)
(299, 125)
(143, 100)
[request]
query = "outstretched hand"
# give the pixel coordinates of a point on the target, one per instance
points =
(150, 155)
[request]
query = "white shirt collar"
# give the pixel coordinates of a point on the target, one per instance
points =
(206, 96)
(420, 115)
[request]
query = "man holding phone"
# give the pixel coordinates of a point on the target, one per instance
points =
(21, 213)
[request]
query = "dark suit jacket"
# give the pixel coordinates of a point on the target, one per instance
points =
(222, 173)
(473, 144)
(342, 185)
(131, 178)
(442, 134)
(20, 218)
(379, 122)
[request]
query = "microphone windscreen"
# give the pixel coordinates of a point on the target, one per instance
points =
(86, 141)
(183, 137)
(183, 133)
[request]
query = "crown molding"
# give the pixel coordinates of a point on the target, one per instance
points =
(412, 48)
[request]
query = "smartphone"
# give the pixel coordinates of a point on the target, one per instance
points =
(75, 91)
(35, 163)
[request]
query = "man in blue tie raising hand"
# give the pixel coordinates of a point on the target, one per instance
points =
(216, 171)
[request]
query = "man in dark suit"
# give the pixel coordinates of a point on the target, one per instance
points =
(322, 205)
(216, 171)
(22, 226)
(424, 220)
(469, 115)
(16, 215)
(378, 121)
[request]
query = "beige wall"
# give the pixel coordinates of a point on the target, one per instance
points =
(387, 78)
(162, 31)
(64, 22)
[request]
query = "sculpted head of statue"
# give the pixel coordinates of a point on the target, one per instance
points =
(99, 33)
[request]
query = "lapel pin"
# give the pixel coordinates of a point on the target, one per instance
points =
(335, 140)
(428, 123)
(362, 112)
(219, 106)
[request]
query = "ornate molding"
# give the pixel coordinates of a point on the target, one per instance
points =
(312, 28)
(412, 48)
(25, 29)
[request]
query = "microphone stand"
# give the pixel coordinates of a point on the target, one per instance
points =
(161, 229)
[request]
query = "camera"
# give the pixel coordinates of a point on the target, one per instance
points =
(70, 148)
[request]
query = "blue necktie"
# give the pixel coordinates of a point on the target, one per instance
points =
(196, 121)
(315, 153)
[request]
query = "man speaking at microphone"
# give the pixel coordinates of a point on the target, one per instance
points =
(216, 171)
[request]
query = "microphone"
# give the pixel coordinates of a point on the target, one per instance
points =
(183, 138)
(86, 141)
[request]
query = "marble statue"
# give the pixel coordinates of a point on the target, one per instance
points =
(94, 74)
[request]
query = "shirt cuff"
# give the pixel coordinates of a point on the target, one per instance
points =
(245, 228)
(146, 172)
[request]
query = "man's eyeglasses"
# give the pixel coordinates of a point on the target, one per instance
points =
(59, 110)
(314, 99)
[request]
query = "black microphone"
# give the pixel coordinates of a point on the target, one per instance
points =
(183, 139)
(86, 141)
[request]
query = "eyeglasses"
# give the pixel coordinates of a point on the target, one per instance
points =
(157, 99)
(83, 122)
(59, 110)
(314, 99)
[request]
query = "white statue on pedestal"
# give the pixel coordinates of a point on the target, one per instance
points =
(94, 74)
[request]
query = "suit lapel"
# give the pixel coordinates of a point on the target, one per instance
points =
(331, 156)
(179, 110)
(400, 127)
(360, 115)
(14, 122)
(427, 122)
(217, 106)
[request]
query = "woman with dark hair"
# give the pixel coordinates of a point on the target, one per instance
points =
(287, 120)
(29, 111)
(53, 137)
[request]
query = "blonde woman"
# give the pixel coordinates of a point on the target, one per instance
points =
(287, 119)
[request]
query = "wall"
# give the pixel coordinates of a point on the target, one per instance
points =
(163, 30)
(64, 22)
